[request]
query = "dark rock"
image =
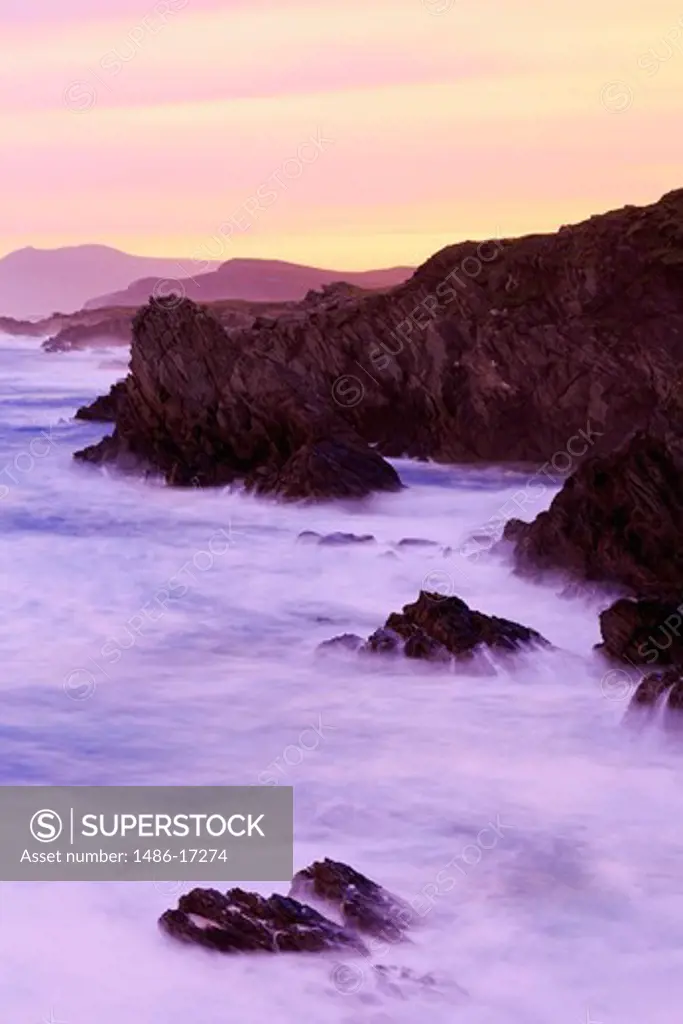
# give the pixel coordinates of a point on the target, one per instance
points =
(618, 519)
(334, 539)
(241, 922)
(105, 408)
(416, 542)
(204, 410)
(435, 627)
(363, 904)
(643, 632)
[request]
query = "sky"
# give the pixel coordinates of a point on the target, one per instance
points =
(348, 134)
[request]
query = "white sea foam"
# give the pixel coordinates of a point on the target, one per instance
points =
(569, 910)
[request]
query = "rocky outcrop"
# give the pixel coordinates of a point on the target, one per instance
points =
(618, 519)
(105, 408)
(439, 628)
(548, 347)
(644, 632)
(206, 413)
(244, 922)
(240, 921)
(363, 905)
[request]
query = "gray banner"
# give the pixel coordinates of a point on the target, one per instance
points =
(146, 833)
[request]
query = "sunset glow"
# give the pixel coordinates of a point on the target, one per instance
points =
(150, 127)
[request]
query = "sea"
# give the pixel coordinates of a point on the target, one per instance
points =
(534, 829)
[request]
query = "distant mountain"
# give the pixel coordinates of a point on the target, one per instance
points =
(39, 282)
(252, 280)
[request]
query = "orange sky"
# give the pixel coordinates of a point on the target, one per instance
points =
(183, 127)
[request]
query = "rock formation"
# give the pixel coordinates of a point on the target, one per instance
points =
(439, 628)
(207, 413)
(618, 519)
(363, 905)
(244, 922)
(540, 348)
(240, 921)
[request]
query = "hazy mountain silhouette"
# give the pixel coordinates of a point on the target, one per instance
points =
(38, 282)
(250, 279)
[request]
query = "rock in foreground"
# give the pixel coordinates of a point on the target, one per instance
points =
(618, 519)
(244, 922)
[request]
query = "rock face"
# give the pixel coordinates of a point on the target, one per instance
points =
(643, 632)
(363, 904)
(438, 628)
(618, 519)
(241, 922)
(105, 408)
(244, 922)
(205, 413)
(513, 350)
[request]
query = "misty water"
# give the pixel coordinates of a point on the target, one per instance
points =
(558, 828)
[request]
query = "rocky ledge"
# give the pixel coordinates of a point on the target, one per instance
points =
(244, 922)
(439, 628)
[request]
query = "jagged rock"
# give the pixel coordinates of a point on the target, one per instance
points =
(105, 408)
(241, 922)
(643, 632)
(363, 904)
(547, 347)
(205, 413)
(436, 627)
(618, 519)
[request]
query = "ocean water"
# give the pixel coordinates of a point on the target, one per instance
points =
(539, 838)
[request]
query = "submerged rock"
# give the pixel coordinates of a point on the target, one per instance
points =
(334, 539)
(344, 642)
(618, 519)
(659, 690)
(244, 922)
(363, 904)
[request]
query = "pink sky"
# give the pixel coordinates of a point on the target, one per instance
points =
(152, 126)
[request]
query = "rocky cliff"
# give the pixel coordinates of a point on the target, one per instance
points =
(506, 351)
